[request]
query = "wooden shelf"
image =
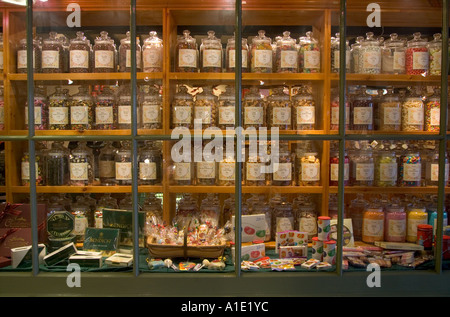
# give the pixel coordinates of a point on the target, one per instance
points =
(388, 79)
(86, 189)
(72, 132)
(247, 189)
(71, 77)
(388, 190)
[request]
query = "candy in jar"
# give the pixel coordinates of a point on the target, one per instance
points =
(123, 163)
(230, 55)
(40, 110)
(186, 54)
(390, 112)
(432, 111)
(335, 52)
(52, 54)
(334, 168)
(152, 54)
(39, 166)
(416, 216)
(150, 103)
(432, 170)
(58, 110)
(254, 108)
(304, 110)
(284, 168)
(308, 169)
(150, 164)
(410, 169)
(413, 111)
(334, 115)
(386, 167)
(393, 56)
(82, 112)
(182, 109)
(205, 108)
(362, 166)
(226, 109)
(211, 54)
(104, 54)
(286, 54)
(57, 165)
(226, 172)
(309, 54)
(79, 54)
(183, 171)
(435, 50)
(81, 212)
(81, 165)
(369, 55)
(106, 110)
(356, 210)
(261, 54)
(354, 54)
(124, 108)
(280, 110)
(306, 217)
(395, 223)
(283, 216)
(417, 56)
(206, 169)
(22, 56)
(106, 164)
(373, 224)
(361, 107)
(254, 170)
(125, 54)
(210, 210)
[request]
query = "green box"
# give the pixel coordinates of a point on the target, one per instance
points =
(105, 240)
(122, 219)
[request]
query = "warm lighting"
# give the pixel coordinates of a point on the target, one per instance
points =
(18, 2)
(70, 82)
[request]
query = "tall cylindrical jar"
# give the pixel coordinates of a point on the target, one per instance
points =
(334, 112)
(354, 54)
(150, 104)
(304, 110)
(432, 170)
(309, 54)
(124, 108)
(106, 110)
(308, 169)
(373, 224)
(417, 56)
(40, 110)
(186, 54)
(150, 164)
(334, 169)
(52, 54)
(230, 56)
(182, 109)
(362, 167)
(410, 169)
(123, 161)
(370, 55)
(413, 111)
(416, 215)
(211, 54)
(361, 107)
(390, 112)
(81, 165)
(283, 176)
(152, 54)
(206, 169)
(435, 50)
(335, 53)
(254, 108)
(82, 110)
(22, 56)
(57, 165)
(205, 108)
(356, 211)
(261, 54)
(280, 110)
(58, 111)
(386, 168)
(395, 223)
(286, 54)
(226, 109)
(433, 112)
(107, 164)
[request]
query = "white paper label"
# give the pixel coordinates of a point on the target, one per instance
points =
(58, 115)
(412, 172)
(254, 115)
(187, 58)
(435, 116)
(226, 171)
(336, 59)
(335, 115)
(281, 115)
(125, 114)
(212, 58)
(151, 113)
(364, 172)
(226, 115)
(206, 170)
(396, 228)
(308, 225)
(435, 172)
(123, 170)
(79, 171)
(412, 226)
(373, 228)
(79, 59)
(79, 115)
(311, 59)
(182, 114)
(37, 115)
(203, 113)
(182, 171)
(106, 169)
(388, 172)
(147, 171)
(25, 170)
(232, 58)
(80, 225)
(334, 172)
(372, 60)
(104, 59)
(128, 58)
(152, 58)
(288, 59)
(420, 60)
(1, 59)
(283, 173)
(284, 223)
(414, 116)
(263, 58)
(306, 115)
(399, 61)
(362, 115)
(392, 115)
(50, 59)
(104, 115)
(255, 171)
(22, 59)
(310, 171)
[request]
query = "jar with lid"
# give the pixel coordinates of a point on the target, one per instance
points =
(106, 110)
(125, 54)
(410, 169)
(280, 110)
(435, 52)
(393, 56)
(416, 215)
(65, 42)
(254, 107)
(183, 170)
(2, 110)
(81, 165)
(230, 55)
(308, 169)
(210, 210)
(186, 53)
(211, 54)
(123, 164)
(386, 167)
(40, 110)
(104, 54)
(417, 56)
(257, 206)
(22, 56)
(369, 55)
(1, 53)
(286, 54)
(81, 212)
(124, 108)
(304, 108)
(152, 54)
(390, 111)
(433, 111)
(226, 171)
(57, 165)
(413, 111)
(354, 54)
(150, 103)
(309, 54)
(284, 169)
(206, 169)
(106, 165)
(82, 110)
(432, 170)
(334, 109)
(307, 217)
(226, 109)
(274, 45)
(79, 54)
(335, 52)
(105, 201)
(283, 217)
(362, 165)
(150, 164)
(255, 174)
(356, 211)
(361, 107)
(187, 209)
(153, 212)
(261, 53)
(228, 208)
(58, 110)
(373, 224)
(205, 108)
(52, 54)
(39, 166)
(395, 223)
(182, 109)
(334, 168)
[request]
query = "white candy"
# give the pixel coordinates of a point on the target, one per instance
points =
(168, 262)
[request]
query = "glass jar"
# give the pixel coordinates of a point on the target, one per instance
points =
(82, 110)
(361, 107)
(65, 42)
(279, 110)
(307, 218)
(106, 110)
(254, 171)
(39, 166)
(390, 112)
(40, 110)
(228, 208)
(183, 171)
(410, 169)
(58, 110)
(152, 54)
(186, 54)
(106, 165)
(308, 169)
(362, 167)
(334, 169)
(81, 165)
(206, 169)
(124, 108)
(123, 161)
(57, 165)
(373, 224)
(52, 54)
(283, 217)
(413, 111)
(125, 54)
(211, 54)
(1, 53)
(226, 109)
(153, 210)
(81, 212)
(254, 107)
(258, 206)
(79, 54)
(433, 111)
(393, 56)
(304, 107)
(210, 210)
(395, 223)
(105, 201)
(435, 52)
(2, 110)
(356, 211)
(335, 51)
(286, 54)
(369, 55)
(150, 103)
(227, 171)
(182, 109)
(284, 169)
(261, 53)
(334, 115)
(417, 56)
(205, 108)
(386, 168)
(22, 56)
(432, 170)
(230, 55)
(104, 54)
(354, 54)
(416, 215)
(187, 209)
(309, 54)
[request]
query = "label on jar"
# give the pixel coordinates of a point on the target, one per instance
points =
(226, 171)
(336, 59)
(281, 115)
(310, 171)
(104, 59)
(263, 58)
(435, 172)
(25, 170)
(288, 59)
(399, 61)
(182, 115)
(435, 116)
(388, 172)
(50, 59)
(232, 58)
(152, 58)
(412, 226)
(364, 172)
(334, 172)
(1, 59)
(58, 115)
(203, 113)
(79, 171)
(151, 113)
(396, 228)
(372, 60)
(226, 115)
(335, 115)
(362, 115)
(79, 59)
(125, 114)
(182, 171)
(79, 115)
(106, 169)
(37, 115)
(147, 171)
(212, 58)
(414, 116)
(187, 58)
(123, 170)
(436, 65)
(308, 224)
(22, 59)
(373, 227)
(2, 114)
(311, 59)
(392, 115)
(128, 58)
(412, 172)
(80, 225)
(420, 60)
(283, 173)
(104, 115)
(254, 115)
(284, 223)
(206, 170)
(255, 172)
(306, 115)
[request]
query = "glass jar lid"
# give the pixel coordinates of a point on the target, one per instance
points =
(394, 41)
(82, 94)
(261, 38)
(278, 94)
(417, 40)
(153, 39)
(370, 40)
(229, 94)
(286, 39)
(437, 41)
(207, 93)
(308, 39)
(304, 93)
(80, 39)
(58, 94)
(52, 39)
(211, 40)
(186, 38)
(103, 38)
